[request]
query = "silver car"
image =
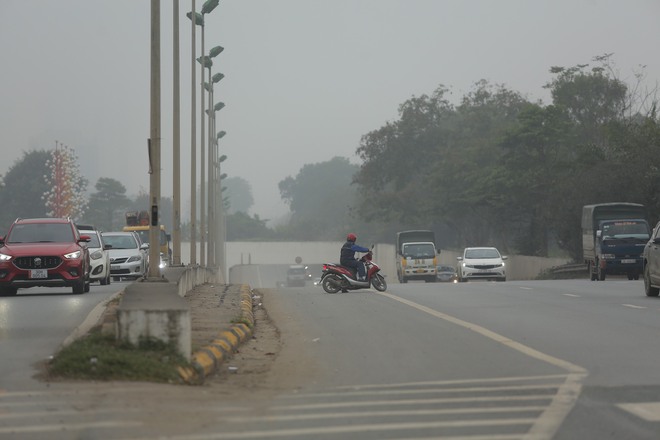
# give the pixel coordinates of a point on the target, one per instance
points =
(99, 257)
(128, 257)
(481, 263)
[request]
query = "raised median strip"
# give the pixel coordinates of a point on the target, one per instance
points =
(206, 360)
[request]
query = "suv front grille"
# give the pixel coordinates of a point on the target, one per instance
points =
(48, 262)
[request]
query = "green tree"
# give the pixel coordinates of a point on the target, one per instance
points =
(320, 198)
(107, 205)
(238, 193)
(242, 227)
(23, 187)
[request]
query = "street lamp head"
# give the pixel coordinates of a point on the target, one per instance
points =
(217, 77)
(199, 19)
(208, 87)
(209, 5)
(219, 106)
(205, 61)
(221, 134)
(217, 50)
(222, 158)
(223, 176)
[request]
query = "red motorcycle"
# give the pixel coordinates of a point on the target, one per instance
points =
(336, 277)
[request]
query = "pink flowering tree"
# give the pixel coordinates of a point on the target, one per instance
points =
(66, 194)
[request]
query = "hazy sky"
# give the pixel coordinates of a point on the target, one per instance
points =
(304, 79)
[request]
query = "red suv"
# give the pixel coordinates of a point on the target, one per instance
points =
(44, 252)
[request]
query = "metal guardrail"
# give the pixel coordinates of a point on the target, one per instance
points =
(568, 268)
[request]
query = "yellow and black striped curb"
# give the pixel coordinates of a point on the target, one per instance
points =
(206, 360)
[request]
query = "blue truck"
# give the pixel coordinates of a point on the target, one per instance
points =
(613, 239)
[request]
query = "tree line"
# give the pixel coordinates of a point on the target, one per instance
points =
(495, 168)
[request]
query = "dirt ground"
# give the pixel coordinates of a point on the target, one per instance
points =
(267, 362)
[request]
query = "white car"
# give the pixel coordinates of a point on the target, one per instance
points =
(99, 257)
(127, 255)
(479, 263)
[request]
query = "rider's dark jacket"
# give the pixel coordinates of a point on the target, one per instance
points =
(348, 251)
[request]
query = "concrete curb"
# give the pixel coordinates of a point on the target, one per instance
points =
(208, 359)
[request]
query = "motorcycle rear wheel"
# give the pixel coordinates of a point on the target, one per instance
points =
(379, 283)
(331, 283)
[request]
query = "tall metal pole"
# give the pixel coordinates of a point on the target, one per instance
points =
(193, 149)
(154, 145)
(211, 225)
(176, 137)
(202, 183)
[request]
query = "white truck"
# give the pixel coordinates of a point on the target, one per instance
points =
(416, 256)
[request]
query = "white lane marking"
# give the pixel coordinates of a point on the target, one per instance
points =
(526, 288)
(547, 425)
(571, 368)
(402, 402)
(494, 389)
(571, 295)
(67, 427)
(632, 306)
(370, 428)
(391, 413)
(649, 411)
(451, 382)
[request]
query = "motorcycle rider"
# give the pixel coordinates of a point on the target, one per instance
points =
(347, 257)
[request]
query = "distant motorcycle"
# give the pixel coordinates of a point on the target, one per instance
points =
(336, 277)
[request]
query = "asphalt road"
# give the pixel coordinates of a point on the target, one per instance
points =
(484, 360)
(34, 324)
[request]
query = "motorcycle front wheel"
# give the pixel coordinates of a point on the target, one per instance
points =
(379, 283)
(331, 283)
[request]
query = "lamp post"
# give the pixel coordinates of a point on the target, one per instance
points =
(154, 144)
(221, 236)
(213, 52)
(176, 147)
(198, 19)
(212, 214)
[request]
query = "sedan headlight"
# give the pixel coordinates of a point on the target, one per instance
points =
(134, 258)
(73, 255)
(96, 255)
(4, 257)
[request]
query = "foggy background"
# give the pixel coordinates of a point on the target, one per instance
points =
(304, 80)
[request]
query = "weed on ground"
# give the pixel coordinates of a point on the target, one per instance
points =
(101, 357)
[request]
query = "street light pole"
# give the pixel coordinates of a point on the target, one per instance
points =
(217, 50)
(154, 145)
(193, 147)
(176, 138)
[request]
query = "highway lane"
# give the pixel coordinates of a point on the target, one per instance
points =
(516, 360)
(597, 341)
(34, 324)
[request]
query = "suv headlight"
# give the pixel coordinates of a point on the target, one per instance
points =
(73, 255)
(608, 256)
(5, 257)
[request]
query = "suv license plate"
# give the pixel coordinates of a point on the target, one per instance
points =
(629, 261)
(39, 273)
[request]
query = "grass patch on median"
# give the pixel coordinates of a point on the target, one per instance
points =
(101, 357)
